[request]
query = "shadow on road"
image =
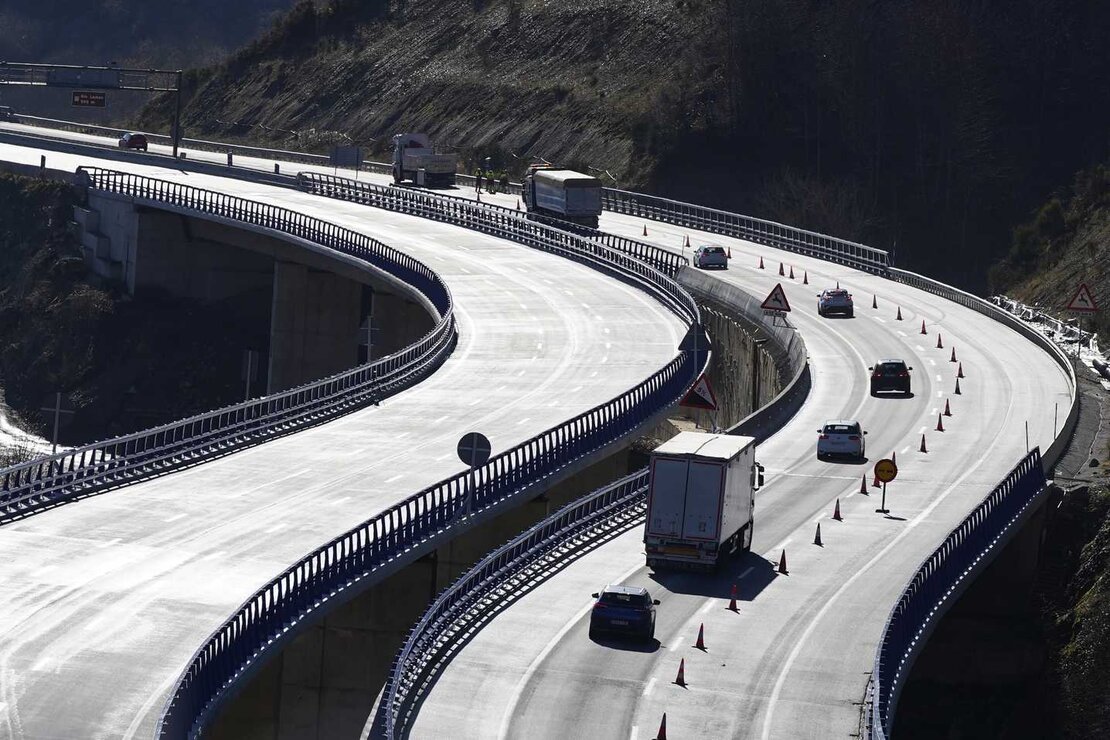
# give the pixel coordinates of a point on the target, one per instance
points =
(748, 572)
(627, 644)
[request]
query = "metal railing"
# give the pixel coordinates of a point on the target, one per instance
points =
(812, 244)
(610, 257)
(587, 519)
(48, 480)
(940, 580)
(985, 307)
(332, 573)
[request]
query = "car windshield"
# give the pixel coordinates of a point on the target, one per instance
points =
(891, 368)
(837, 293)
(841, 429)
(714, 250)
(618, 599)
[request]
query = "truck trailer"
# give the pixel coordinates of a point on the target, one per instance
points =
(701, 500)
(564, 195)
(415, 160)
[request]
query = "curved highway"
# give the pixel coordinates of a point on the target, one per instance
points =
(794, 661)
(106, 599)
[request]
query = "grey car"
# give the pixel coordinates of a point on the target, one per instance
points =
(835, 300)
(707, 256)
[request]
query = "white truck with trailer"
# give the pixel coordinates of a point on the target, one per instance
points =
(701, 500)
(561, 194)
(415, 160)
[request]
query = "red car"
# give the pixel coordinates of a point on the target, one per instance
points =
(133, 141)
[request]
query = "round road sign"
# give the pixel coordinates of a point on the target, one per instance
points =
(886, 470)
(474, 449)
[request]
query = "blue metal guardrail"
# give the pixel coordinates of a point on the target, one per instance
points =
(648, 267)
(853, 254)
(589, 519)
(29, 486)
(337, 570)
(941, 579)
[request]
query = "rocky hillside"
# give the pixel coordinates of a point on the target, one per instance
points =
(928, 127)
(150, 33)
(126, 364)
(1067, 242)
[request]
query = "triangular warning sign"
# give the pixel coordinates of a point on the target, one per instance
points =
(700, 396)
(777, 300)
(1083, 301)
(696, 340)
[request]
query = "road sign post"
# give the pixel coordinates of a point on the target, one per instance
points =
(58, 408)
(474, 450)
(885, 471)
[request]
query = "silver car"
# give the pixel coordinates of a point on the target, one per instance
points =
(841, 438)
(707, 256)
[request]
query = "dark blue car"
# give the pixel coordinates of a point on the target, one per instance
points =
(626, 610)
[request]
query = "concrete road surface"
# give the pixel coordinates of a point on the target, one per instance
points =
(794, 661)
(105, 600)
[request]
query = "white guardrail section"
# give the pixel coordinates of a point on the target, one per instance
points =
(45, 481)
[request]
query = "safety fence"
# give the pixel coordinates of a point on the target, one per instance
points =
(401, 533)
(941, 579)
(649, 267)
(354, 560)
(853, 254)
(985, 307)
(490, 584)
(32, 485)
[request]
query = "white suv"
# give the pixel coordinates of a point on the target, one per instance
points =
(841, 437)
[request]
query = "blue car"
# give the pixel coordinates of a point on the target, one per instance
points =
(626, 610)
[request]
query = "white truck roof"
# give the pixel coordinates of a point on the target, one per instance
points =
(567, 177)
(703, 444)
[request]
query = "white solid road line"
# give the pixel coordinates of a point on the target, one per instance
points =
(510, 710)
(781, 680)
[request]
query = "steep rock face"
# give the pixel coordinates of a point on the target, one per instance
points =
(584, 82)
(171, 33)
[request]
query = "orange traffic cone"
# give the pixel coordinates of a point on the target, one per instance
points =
(686, 242)
(940, 344)
(782, 562)
(940, 422)
(781, 271)
(518, 204)
(662, 734)
(862, 485)
(761, 263)
(899, 316)
(874, 301)
(923, 327)
(680, 679)
(817, 537)
(947, 408)
(923, 444)
(645, 229)
(960, 371)
(791, 272)
(805, 278)
(729, 249)
(894, 457)
(700, 644)
(958, 391)
(836, 512)
(732, 600)
(953, 355)
(876, 483)
(838, 285)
